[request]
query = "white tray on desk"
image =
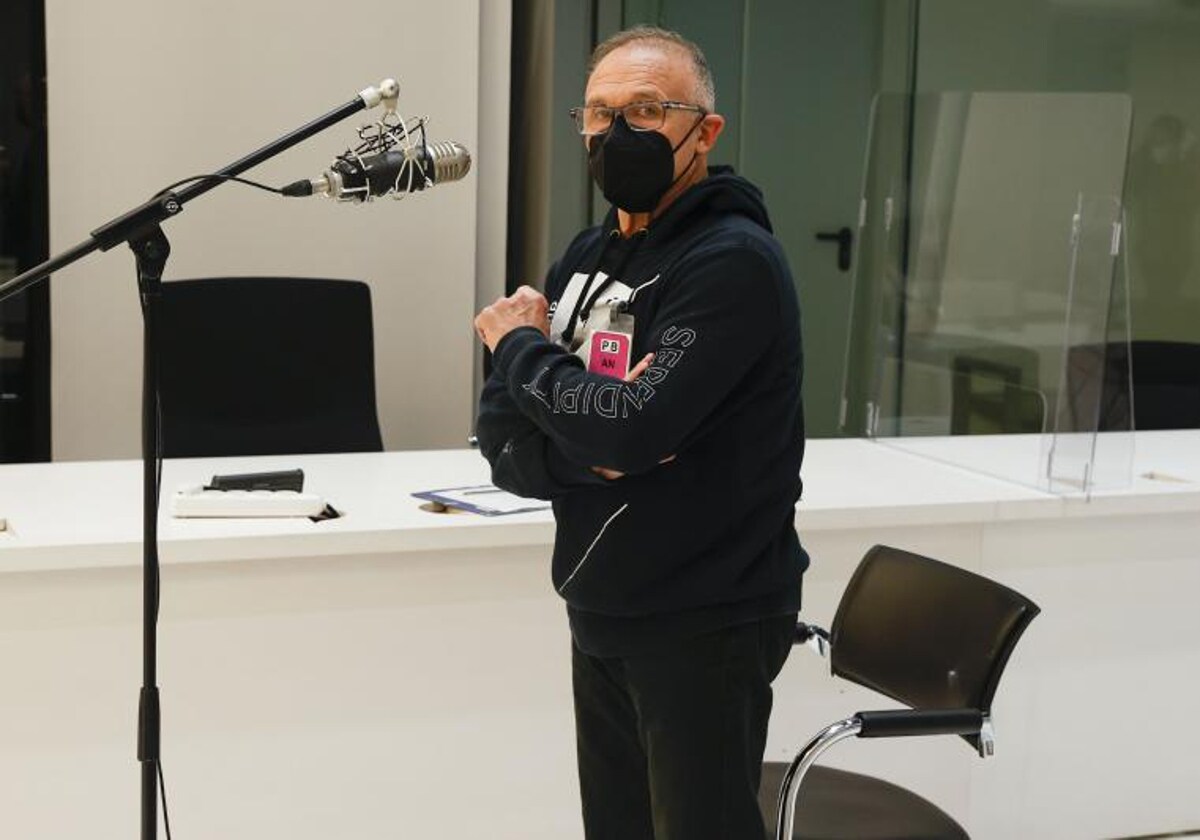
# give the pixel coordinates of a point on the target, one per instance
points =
(196, 502)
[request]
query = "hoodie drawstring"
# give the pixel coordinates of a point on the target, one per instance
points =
(586, 301)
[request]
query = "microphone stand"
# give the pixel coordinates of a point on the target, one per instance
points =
(141, 229)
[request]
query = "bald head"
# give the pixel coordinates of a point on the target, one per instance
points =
(677, 50)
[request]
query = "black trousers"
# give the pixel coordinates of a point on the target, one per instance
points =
(670, 743)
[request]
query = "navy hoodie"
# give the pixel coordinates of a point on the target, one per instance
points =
(699, 533)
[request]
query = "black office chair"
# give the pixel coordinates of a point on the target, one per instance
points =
(267, 366)
(1164, 377)
(936, 638)
(989, 398)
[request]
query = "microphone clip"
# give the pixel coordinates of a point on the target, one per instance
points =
(387, 93)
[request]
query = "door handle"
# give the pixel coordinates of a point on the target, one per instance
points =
(844, 238)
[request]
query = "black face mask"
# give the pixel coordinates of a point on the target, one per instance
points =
(634, 169)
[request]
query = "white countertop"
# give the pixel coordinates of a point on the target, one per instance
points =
(88, 514)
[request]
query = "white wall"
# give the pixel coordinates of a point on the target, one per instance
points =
(143, 92)
(491, 157)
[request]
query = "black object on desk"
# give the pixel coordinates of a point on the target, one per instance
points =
(279, 480)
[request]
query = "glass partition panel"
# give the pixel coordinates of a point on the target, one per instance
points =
(984, 278)
(877, 259)
(1094, 392)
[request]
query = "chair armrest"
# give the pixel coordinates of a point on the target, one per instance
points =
(815, 637)
(896, 723)
(884, 724)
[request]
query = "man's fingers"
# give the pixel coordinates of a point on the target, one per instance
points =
(527, 291)
(532, 306)
(527, 296)
(640, 367)
(605, 472)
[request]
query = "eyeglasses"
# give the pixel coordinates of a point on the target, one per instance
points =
(640, 116)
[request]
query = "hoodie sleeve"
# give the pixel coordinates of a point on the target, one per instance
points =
(716, 322)
(523, 459)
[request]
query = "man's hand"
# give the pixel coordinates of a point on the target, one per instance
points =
(638, 370)
(640, 367)
(526, 307)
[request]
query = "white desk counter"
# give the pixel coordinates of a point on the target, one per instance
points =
(400, 673)
(87, 514)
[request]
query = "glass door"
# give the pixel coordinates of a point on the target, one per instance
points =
(796, 81)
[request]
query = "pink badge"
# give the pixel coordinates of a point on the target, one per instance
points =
(609, 354)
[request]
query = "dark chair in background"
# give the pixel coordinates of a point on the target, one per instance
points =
(267, 366)
(987, 397)
(1164, 377)
(936, 638)
(1166, 385)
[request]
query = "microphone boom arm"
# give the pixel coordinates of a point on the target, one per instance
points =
(165, 205)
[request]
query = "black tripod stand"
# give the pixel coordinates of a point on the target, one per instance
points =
(141, 229)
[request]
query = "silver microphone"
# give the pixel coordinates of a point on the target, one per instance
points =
(402, 169)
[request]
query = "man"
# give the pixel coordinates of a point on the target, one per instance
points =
(656, 400)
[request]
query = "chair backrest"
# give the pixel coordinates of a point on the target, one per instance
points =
(1166, 384)
(1165, 378)
(928, 634)
(267, 366)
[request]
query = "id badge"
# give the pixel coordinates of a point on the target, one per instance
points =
(609, 354)
(610, 349)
